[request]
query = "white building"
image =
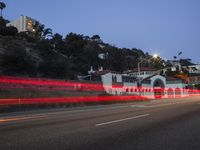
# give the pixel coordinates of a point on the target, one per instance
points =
(23, 24)
(193, 69)
(144, 72)
(112, 82)
(152, 84)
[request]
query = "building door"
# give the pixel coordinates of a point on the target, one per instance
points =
(170, 93)
(158, 88)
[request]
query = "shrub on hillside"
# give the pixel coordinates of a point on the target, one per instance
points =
(9, 31)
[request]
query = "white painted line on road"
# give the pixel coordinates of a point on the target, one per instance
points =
(159, 105)
(138, 106)
(115, 107)
(25, 117)
(120, 120)
(87, 110)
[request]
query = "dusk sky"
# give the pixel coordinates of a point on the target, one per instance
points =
(165, 27)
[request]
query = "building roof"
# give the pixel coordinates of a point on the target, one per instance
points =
(186, 62)
(106, 71)
(169, 78)
(149, 77)
(141, 69)
(129, 78)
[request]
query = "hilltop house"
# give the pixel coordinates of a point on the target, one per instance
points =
(23, 24)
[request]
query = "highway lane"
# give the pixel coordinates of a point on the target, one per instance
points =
(157, 124)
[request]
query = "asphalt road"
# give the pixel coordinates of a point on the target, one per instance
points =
(153, 125)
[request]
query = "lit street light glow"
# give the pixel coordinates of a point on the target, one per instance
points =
(155, 55)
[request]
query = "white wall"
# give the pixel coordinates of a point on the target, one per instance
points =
(146, 90)
(21, 23)
(143, 74)
(108, 84)
(154, 78)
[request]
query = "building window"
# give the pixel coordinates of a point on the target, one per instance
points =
(114, 78)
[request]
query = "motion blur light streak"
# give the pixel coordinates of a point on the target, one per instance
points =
(54, 83)
(46, 84)
(37, 88)
(74, 99)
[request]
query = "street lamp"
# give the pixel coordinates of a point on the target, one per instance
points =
(139, 71)
(155, 55)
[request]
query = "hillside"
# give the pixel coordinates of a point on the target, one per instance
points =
(44, 54)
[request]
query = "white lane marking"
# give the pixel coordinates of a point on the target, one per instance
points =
(86, 110)
(120, 120)
(159, 105)
(138, 106)
(24, 117)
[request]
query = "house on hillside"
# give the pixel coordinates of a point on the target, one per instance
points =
(192, 69)
(23, 24)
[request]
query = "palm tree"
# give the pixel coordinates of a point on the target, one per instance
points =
(41, 32)
(2, 6)
(47, 32)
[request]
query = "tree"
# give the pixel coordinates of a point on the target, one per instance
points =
(9, 31)
(41, 32)
(57, 41)
(2, 6)
(57, 38)
(38, 28)
(47, 32)
(2, 23)
(96, 38)
(74, 44)
(16, 61)
(115, 60)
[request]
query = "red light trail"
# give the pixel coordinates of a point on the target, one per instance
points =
(47, 84)
(75, 99)
(50, 84)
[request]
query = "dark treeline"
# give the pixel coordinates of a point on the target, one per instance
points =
(43, 54)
